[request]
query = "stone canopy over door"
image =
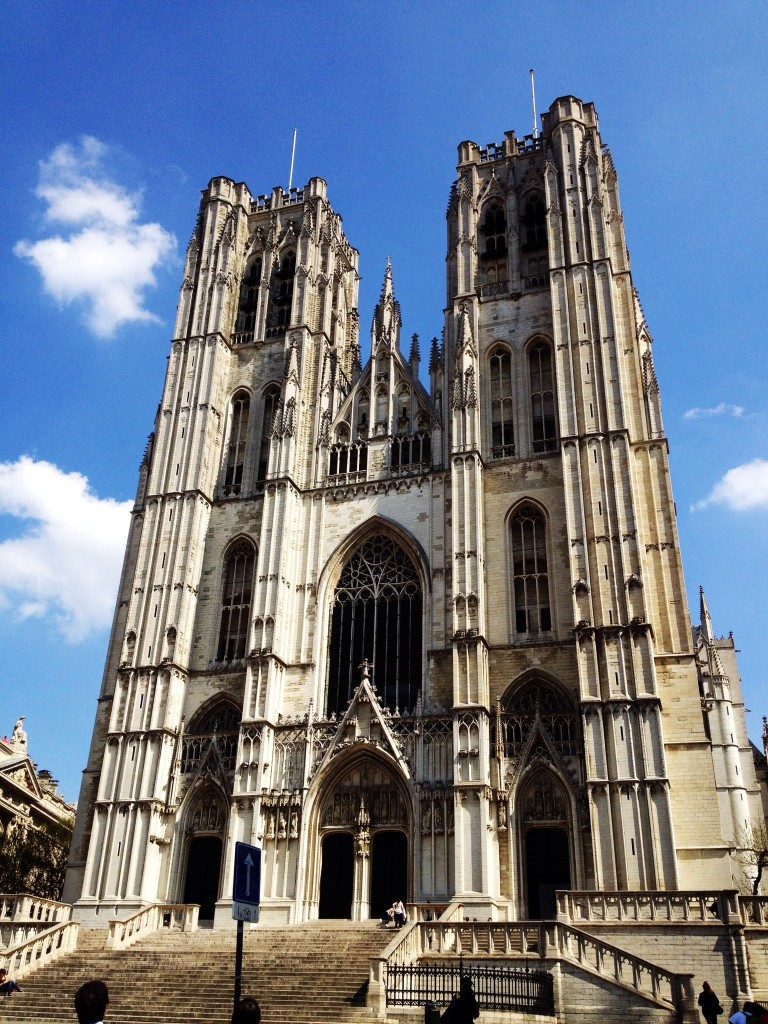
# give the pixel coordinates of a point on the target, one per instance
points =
(364, 841)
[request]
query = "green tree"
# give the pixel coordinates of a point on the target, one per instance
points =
(34, 860)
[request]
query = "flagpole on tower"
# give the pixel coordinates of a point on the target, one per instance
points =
(293, 154)
(533, 101)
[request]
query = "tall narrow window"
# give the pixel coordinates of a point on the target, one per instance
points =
(530, 579)
(238, 435)
(236, 602)
(249, 298)
(535, 224)
(377, 610)
(281, 296)
(543, 426)
(493, 250)
(502, 425)
(271, 402)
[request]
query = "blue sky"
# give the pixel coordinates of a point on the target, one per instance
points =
(117, 114)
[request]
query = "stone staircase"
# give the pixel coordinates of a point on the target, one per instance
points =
(310, 973)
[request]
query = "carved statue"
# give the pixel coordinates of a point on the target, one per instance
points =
(18, 736)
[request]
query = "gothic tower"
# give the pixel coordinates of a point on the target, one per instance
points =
(420, 643)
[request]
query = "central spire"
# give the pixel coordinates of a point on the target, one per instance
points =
(385, 328)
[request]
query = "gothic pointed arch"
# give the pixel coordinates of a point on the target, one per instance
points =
(375, 592)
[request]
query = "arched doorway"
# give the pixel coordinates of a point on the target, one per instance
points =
(389, 871)
(336, 876)
(363, 825)
(203, 871)
(547, 868)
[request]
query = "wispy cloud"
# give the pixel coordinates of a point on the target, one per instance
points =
(723, 409)
(105, 257)
(65, 564)
(742, 488)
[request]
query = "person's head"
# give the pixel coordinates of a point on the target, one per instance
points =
(247, 1011)
(3, 974)
(91, 1001)
(706, 986)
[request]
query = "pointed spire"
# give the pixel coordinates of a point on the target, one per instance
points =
(705, 617)
(385, 328)
(414, 358)
(434, 356)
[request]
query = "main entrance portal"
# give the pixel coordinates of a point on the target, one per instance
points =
(203, 870)
(378, 883)
(547, 869)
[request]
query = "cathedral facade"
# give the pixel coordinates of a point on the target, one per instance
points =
(415, 642)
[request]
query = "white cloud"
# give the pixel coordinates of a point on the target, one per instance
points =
(723, 409)
(66, 562)
(107, 258)
(742, 488)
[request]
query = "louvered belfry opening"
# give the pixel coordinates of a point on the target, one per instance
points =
(377, 613)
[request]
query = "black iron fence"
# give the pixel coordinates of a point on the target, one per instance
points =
(496, 988)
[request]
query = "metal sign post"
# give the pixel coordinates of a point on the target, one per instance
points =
(246, 891)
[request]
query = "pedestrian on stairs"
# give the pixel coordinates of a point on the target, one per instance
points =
(400, 915)
(7, 985)
(247, 1011)
(709, 1003)
(91, 1001)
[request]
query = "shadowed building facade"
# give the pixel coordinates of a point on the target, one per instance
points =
(416, 642)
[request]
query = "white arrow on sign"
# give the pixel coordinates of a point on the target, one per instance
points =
(249, 864)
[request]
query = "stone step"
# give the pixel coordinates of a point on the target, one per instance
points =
(303, 974)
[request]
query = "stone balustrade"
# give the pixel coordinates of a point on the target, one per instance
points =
(23, 917)
(657, 905)
(551, 941)
(43, 948)
(124, 932)
(754, 910)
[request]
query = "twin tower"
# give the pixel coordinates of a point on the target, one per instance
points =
(419, 632)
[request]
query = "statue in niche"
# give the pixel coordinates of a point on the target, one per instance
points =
(294, 834)
(502, 816)
(438, 816)
(282, 824)
(270, 833)
(426, 819)
(449, 824)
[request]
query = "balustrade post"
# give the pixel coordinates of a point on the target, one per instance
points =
(687, 1008)
(376, 996)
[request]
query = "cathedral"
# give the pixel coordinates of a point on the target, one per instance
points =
(416, 628)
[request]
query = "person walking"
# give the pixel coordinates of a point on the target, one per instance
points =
(709, 1003)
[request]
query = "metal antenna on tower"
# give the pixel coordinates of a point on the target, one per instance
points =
(293, 154)
(533, 101)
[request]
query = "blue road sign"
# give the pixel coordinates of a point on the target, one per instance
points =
(246, 888)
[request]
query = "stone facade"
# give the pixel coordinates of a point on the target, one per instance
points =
(428, 643)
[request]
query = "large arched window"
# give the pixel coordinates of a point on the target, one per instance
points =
(543, 427)
(271, 403)
(535, 224)
(530, 578)
(502, 408)
(238, 435)
(236, 602)
(377, 610)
